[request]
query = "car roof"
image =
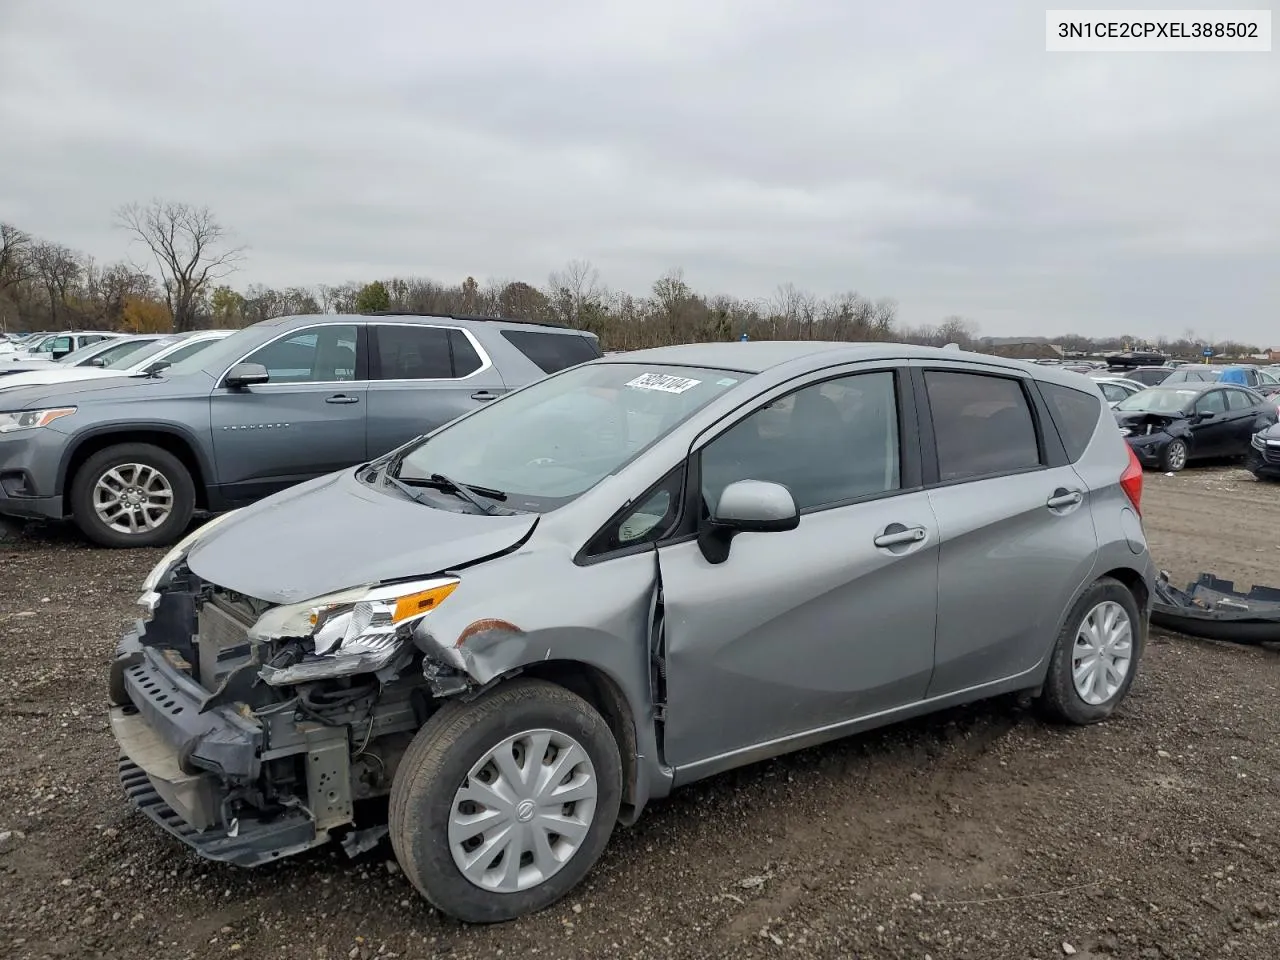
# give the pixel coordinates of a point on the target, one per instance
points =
(1198, 386)
(410, 316)
(757, 356)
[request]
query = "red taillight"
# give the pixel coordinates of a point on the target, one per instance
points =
(1131, 480)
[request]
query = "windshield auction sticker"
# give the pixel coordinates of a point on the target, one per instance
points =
(663, 382)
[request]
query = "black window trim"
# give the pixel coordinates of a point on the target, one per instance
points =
(686, 526)
(486, 362)
(1048, 445)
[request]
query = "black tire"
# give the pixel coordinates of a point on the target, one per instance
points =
(1059, 700)
(165, 463)
(440, 758)
(1167, 461)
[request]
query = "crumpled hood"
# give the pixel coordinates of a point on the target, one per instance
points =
(1141, 423)
(335, 532)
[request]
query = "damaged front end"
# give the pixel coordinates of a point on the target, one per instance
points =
(253, 731)
(1148, 433)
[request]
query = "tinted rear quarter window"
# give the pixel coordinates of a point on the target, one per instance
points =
(982, 425)
(1075, 414)
(553, 352)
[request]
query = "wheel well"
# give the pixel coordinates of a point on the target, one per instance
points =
(599, 690)
(1134, 582)
(169, 442)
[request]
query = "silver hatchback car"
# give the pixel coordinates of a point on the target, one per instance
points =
(635, 573)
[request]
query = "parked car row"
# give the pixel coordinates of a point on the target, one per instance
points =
(210, 421)
(51, 346)
(526, 617)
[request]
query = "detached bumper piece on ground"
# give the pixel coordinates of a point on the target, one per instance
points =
(1213, 609)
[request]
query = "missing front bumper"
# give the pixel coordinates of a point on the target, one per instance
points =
(243, 843)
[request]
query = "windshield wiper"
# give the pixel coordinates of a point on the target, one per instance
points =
(471, 494)
(404, 488)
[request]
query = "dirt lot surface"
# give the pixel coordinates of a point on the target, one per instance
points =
(979, 833)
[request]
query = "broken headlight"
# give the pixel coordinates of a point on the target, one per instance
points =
(359, 630)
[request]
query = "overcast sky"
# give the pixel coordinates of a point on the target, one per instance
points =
(932, 153)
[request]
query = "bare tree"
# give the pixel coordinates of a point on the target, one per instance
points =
(57, 267)
(575, 293)
(15, 261)
(189, 246)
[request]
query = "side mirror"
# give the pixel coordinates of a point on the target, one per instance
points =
(97, 362)
(157, 368)
(1203, 415)
(246, 375)
(747, 506)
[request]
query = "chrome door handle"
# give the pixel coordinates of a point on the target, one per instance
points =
(484, 395)
(340, 398)
(899, 537)
(1064, 498)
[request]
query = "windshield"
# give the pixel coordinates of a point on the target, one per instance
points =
(553, 441)
(84, 354)
(219, 353)
(145, 352)
(124, 353)
(1159, 400)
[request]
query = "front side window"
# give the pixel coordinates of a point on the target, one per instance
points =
(982, 425)
(316, 355)
(827, 443)
(1214, 401)
(550, 442)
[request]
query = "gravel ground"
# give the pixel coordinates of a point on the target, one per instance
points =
(977, 833)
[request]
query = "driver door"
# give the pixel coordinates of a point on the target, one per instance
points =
(1212, 437)
(306, 421)
(801, 631)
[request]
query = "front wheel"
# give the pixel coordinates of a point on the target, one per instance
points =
(1174, 457)
(501, 806)
(133, 495)
(1096, 657)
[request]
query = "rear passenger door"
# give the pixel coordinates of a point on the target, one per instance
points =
(1242, 414)
(421, 377)
(1016, 531)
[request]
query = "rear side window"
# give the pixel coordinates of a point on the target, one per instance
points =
(1240, 400)
(413, 353)
(982, 425)
(1075, 414)
(553, 352)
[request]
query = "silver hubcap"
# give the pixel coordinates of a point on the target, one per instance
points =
(1177, 455)
(1102, 654)
(523, 811)
(133, 498)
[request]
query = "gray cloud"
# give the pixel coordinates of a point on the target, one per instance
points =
(929, 152)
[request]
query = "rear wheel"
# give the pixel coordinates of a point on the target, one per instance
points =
(1174, 457)
(501, 806)
(1096, 656)
(133, 495)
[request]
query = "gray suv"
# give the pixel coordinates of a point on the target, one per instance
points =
(625, 577)
(130, 459)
